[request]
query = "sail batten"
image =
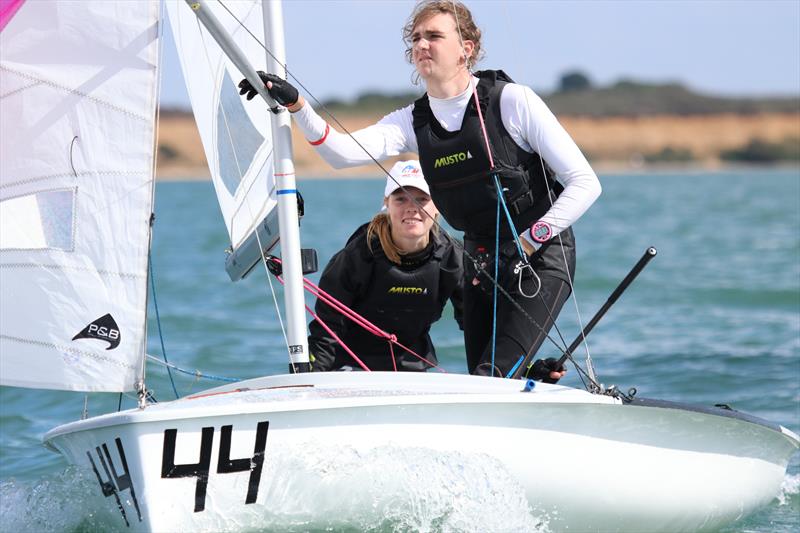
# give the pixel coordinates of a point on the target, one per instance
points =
(77, 126)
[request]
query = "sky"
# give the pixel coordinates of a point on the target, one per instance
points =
(342, 48)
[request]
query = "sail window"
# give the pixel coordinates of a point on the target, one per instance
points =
(238, 140)
(38, 221)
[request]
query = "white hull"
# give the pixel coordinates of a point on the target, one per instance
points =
(585, 462)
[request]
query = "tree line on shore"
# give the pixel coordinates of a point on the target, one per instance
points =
(577, 96)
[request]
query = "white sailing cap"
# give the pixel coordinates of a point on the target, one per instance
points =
(406, 174)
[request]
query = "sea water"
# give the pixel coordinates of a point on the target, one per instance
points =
(714, 318)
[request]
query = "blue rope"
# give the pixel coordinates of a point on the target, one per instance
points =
(496, 268)
(502, 201)
(516, 365)
(158, 321)
(196, 373)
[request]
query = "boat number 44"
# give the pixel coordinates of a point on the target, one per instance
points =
(113, 483)
(225, 465)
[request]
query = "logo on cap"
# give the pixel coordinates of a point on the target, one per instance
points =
(410, 169)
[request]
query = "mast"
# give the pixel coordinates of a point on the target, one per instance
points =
(283, 167)
(287, 196)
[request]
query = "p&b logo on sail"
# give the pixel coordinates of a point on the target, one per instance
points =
(104, 328)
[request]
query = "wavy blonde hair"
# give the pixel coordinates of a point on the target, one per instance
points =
(381, 226)
(465, 25)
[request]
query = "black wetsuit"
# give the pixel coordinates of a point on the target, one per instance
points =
(400, 299)
(458, 171)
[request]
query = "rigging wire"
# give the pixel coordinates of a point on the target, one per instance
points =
(496, 277)
(158, 321)
(322, 107)
(142, 392)
(195, 373)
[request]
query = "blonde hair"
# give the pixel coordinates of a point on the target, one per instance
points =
(381, 226)
(465, 25)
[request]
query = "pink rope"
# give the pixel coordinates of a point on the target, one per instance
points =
(394, 359)
(483, 125)
(346, 311)
(337, 339)
(358, 319)
(409, 350)
(349, 313)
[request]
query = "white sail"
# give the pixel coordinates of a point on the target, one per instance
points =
(78, 95)
(236, 138)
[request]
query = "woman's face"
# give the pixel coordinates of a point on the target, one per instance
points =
(409, 223)
(437, 52)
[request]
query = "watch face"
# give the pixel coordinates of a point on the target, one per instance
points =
(541, 231)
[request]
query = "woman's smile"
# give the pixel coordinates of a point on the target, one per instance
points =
(410, 226)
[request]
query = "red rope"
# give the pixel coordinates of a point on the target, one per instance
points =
(356, 318)
(363, 322)
(483, 125)
(343, 309)
(337, 339)
(394, 360)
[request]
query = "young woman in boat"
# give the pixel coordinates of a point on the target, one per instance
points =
(546, 182)
(398, 272)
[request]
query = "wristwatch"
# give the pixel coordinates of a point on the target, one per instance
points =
(541, 232)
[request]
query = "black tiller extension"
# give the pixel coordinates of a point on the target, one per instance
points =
(637, 268)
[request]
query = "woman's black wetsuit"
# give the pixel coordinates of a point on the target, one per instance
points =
(401, 299)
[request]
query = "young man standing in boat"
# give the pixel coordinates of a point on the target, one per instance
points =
(510, 141)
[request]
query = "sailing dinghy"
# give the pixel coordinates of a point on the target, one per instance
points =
(78, 101)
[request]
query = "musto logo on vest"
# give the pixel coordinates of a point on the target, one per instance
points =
(408, 290)
(452, 159)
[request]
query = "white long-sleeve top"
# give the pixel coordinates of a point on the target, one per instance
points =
(525, 116)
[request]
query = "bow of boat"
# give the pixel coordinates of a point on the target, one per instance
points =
(672, 466)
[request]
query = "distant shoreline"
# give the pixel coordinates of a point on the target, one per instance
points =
(612, 144)
(600, 169)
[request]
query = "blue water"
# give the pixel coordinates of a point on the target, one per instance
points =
(714, 318)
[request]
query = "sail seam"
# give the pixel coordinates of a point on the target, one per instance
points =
(92, 355)
(75, 91)
(19, 89)
(64, 267)
(77, 174)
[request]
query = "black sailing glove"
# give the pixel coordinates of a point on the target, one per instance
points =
(541, 368)
(282, 91)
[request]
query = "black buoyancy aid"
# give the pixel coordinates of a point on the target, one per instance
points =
(404, 302)
(458, 171)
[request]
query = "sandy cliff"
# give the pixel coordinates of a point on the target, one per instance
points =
(616, 143)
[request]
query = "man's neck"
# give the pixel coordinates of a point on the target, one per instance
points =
(450, 87)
